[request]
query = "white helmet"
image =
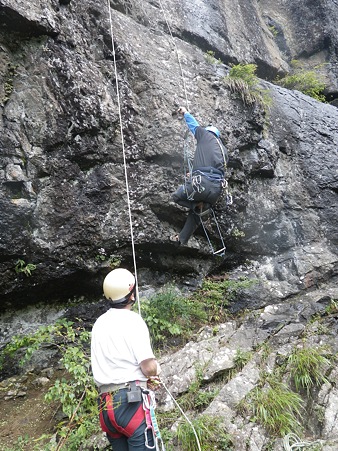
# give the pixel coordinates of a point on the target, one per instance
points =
(118, 285)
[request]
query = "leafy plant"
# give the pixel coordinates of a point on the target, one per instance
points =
(22, 267)
(169, 314)
(307, 367)
(242, 81)
(31, 342)
(215, 295)
(273, 30)
(236, 233)
(197, 398)
(211, 59)
(332, 307)
(309, 82)
(75, 392)
(114, 261)
(275, 407)
(242, 358)
(210, 432)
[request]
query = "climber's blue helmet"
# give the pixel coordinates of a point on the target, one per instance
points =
(213, 130)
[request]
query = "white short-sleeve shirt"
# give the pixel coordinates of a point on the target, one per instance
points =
(120, 342)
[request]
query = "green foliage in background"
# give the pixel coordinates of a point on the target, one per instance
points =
(243, 82)
(210, 432)
(197, 398)
(308, 367)
(74, 393)
(215, 295)
(26, 268)
(211, 59)
(169, 314)
(309, 82)
(275, 407)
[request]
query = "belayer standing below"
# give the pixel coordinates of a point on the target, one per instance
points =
(204, 184)
(122, 362)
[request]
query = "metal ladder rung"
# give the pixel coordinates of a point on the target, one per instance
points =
(219, 252)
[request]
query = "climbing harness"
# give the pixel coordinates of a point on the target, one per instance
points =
(149, 404)
(108, 422)
(193, 185)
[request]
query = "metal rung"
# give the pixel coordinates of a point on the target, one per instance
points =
(220, 252)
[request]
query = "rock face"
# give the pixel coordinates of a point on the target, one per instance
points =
(268, 337)
(63, 194)
(89, 146)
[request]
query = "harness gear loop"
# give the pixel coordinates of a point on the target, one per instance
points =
(149, 404)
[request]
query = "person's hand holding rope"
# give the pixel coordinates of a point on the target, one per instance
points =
(182, 110)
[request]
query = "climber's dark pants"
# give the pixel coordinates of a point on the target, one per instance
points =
(212, 189)
(123, 422)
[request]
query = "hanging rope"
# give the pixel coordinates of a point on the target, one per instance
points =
(185, 416)
(127, 185)
(124, 159)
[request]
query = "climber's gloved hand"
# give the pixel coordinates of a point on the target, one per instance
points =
(182, 110)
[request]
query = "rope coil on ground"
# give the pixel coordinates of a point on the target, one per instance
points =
(292, 442)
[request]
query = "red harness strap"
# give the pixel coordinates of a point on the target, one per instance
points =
(127, 431)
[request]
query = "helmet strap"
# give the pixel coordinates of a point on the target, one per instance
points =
(126, 300)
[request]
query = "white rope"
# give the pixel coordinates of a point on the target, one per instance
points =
(124, 158)
(185, 416)
(127, 186)
(298, 444)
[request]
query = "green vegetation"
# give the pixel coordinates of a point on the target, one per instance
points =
(243, 82)
(8, 82)
(275, 407)
(242, 358)
(210, 432)
(210, 58)
(114, 261)
(273, 30)
(308, 82)
(332, 307)
(308, 367)
(169, 314)
(236, 233)
(75, 393)
(30, 343)
(215, 295)
(22, 267)
(196, 397)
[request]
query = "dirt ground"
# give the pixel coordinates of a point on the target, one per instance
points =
(25, 419)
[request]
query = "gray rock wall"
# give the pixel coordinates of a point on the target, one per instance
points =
(63, 192)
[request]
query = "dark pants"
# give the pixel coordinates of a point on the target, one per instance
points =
(123, 413)
(209, 196)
